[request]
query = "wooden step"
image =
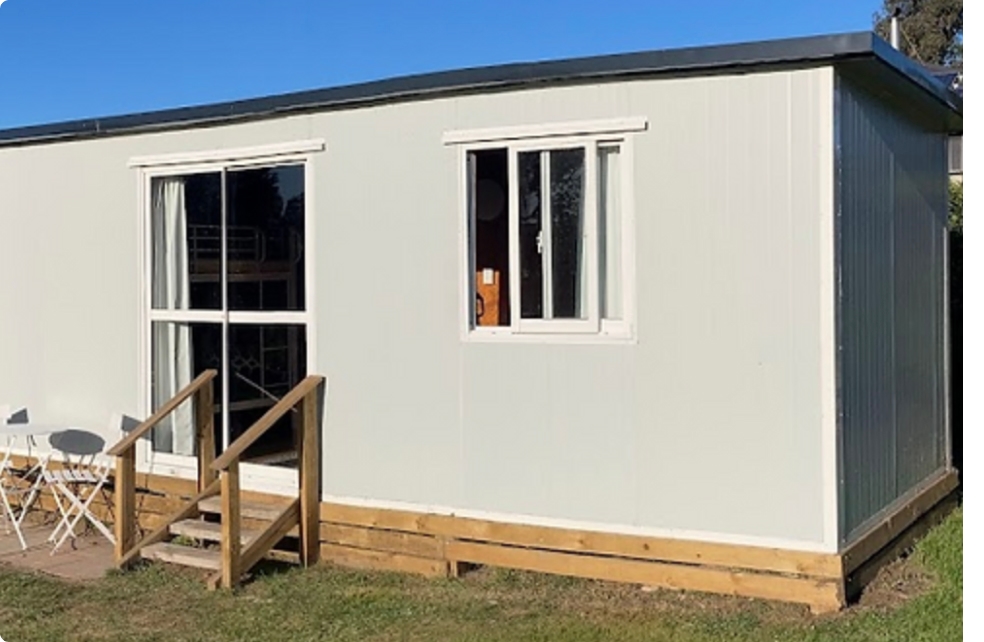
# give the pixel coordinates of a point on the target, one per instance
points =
(287, 557)
(183, 555)
(252, 510)
(206, 531)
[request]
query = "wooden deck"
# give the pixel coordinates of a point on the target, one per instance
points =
(89, 560)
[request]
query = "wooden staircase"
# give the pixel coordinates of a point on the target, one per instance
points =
(205, 535)
(212, 520)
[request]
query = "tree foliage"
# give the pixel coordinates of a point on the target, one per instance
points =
(932, 30)
(956, 207)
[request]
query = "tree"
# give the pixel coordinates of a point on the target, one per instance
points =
(932, 30)
(956, 207)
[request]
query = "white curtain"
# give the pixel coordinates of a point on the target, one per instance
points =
(170, 291)
(610, 228)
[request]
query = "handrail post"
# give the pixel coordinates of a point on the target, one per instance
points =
(125, 502)
(205, 434)
(231, 518)
(309, 474)
(125, 452)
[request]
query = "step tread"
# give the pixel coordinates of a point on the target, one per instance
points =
(183, 555)
(251, 510)
(207, 531)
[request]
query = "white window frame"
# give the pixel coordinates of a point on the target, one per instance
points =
(590, 135)
(255, 477)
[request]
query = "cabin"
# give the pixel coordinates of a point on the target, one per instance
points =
(675, 318)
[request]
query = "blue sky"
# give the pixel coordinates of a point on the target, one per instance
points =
(68, 59)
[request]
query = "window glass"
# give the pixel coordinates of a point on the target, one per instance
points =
(530, 236)
(489, 204)
(179, 353)
(265, 363)
(567, 250)
(610, 231)
(186, 242)
(265, 238)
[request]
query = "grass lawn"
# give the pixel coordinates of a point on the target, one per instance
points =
(920, 598)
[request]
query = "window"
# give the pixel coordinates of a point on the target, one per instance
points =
(227, 291)
(548, 251)
(955, 154)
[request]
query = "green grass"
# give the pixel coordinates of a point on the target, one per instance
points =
(327, 603)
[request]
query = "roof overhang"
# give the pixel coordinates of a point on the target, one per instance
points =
(876, 60)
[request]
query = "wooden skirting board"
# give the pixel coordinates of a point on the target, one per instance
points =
(898, 531)
(408, 541)
(411, 542)
(439, 545)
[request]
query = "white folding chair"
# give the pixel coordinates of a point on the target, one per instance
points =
(83, 478)
(9, 477)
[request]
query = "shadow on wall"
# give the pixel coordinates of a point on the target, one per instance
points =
(956, 348)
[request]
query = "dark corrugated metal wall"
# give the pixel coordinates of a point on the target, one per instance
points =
(892, 218)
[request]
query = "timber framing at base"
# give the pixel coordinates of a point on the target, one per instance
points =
(438, 545)
(898, 530)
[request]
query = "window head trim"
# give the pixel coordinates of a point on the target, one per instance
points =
(616, 126)
(260, 153)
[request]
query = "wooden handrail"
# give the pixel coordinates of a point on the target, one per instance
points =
(126, 547)
(303, 512)
(124, 444)
(264, 423)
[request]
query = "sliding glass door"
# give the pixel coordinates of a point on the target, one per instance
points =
(227, 285)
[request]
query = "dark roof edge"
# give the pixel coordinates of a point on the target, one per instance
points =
(787, 52)
(917, 73)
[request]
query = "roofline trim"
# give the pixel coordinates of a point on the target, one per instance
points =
(811, 50)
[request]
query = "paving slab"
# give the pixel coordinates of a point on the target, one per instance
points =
(89, 558)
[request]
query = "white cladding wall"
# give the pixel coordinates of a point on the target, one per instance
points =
(892, 227)
(711, 423)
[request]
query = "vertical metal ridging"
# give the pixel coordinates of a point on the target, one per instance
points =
(866, 308)
(944, 330)
(893, 241)
(891, 357)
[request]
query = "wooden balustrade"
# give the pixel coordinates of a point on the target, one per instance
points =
(125, 487)
(303, 512)
(222, 475)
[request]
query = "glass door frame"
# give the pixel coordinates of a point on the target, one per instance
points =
(273, 479)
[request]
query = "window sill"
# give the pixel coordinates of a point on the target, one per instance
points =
(505, 335)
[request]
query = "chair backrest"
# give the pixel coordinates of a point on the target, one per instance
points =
(121, 425)
(18, 416)
(124, 423)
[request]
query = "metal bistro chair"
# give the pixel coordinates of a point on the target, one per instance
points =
(10, 476)
(82, 479)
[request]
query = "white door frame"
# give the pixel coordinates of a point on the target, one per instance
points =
(270, 479)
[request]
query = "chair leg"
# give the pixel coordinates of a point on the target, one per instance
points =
(64, 512)
(32, 496)
(70, 518)
(83, 511)
(10, 518)
(6, 511)
(100, 526)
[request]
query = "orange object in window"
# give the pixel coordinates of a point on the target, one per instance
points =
(488, 293)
